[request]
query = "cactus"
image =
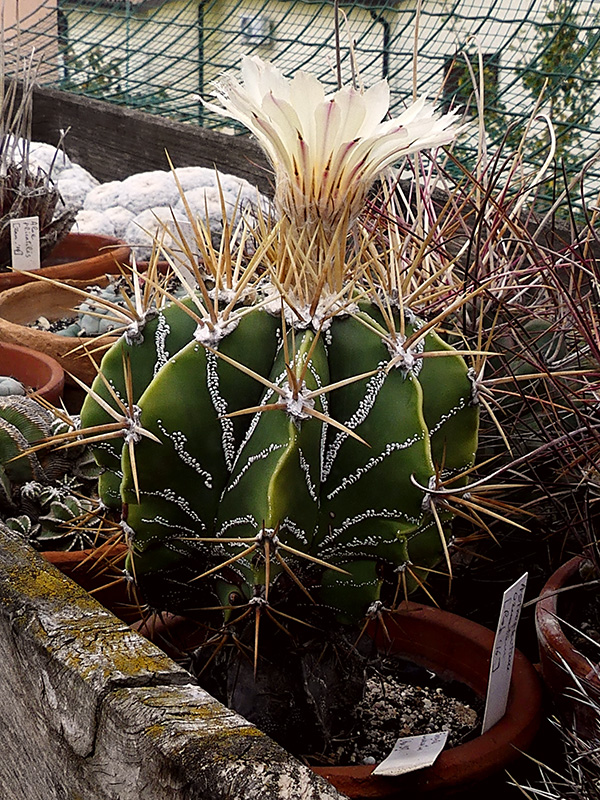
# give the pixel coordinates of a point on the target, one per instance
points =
(279, 436)
(40, 495)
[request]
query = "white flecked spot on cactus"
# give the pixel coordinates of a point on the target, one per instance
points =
(332, 541)
(365, 406)
(305, 467)
(211, 336)
(272, 448)
(103, 197)
(179, 440)
(220, 406)
(88, 221)
(390, 448)
(403, 358)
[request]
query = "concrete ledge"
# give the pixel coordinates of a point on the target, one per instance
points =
(90, 710)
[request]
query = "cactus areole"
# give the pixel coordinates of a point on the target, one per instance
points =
(298, 422)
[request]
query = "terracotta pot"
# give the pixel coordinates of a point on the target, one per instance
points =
(458, 649)
(34, 370)
(79, 256)
(452, 647)
(562, 665)
(100, 572)
(24, 304)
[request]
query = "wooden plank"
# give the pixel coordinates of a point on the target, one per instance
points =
(90, 710)
(113, 142)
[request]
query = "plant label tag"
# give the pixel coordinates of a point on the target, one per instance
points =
(411, 753)
(503, 654)
(25, 243)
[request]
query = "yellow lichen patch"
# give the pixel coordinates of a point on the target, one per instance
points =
(35, 582)
(156, 731)
(111, 650)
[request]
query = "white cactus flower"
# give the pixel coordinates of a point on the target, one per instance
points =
(327, 149)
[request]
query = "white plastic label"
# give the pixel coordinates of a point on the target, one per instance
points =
(503, 654)
(411, 753)
(25, 243)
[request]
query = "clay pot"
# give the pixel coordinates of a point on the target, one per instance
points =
(457, 649)
(24, 304)
(79, 256)
(34, 370)
(562, 666)
(100, 572)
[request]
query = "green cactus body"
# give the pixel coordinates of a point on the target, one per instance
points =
(22, 423)
(369, 504)
(274, 484)
(163, 336)
(42, 484)
(282, 472)
(181, 479)
(450, 408)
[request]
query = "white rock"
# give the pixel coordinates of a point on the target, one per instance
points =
(88, 221)
(148, 190)
(142, 228)
(103, 197)
(120, 218)
(206, 199)
(193, 177)
(46, 157)
(74, 185)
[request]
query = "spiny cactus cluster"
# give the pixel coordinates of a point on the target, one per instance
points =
(40, 495)
(276, 440)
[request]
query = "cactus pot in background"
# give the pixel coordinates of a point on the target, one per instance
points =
(37, 371)
(564, 668)
(79, 256)
(23, 305)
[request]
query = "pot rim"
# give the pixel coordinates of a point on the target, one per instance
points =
(549, 627)
(54, 379)
(479, 758)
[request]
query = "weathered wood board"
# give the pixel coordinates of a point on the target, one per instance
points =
(113, 142)
(90, 710)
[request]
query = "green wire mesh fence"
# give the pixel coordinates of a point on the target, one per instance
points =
(162, 55)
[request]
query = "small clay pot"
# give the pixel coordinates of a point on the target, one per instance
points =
(34, 370)
(457, 649)
(562, 665)
(79, 256)
(24, 304)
